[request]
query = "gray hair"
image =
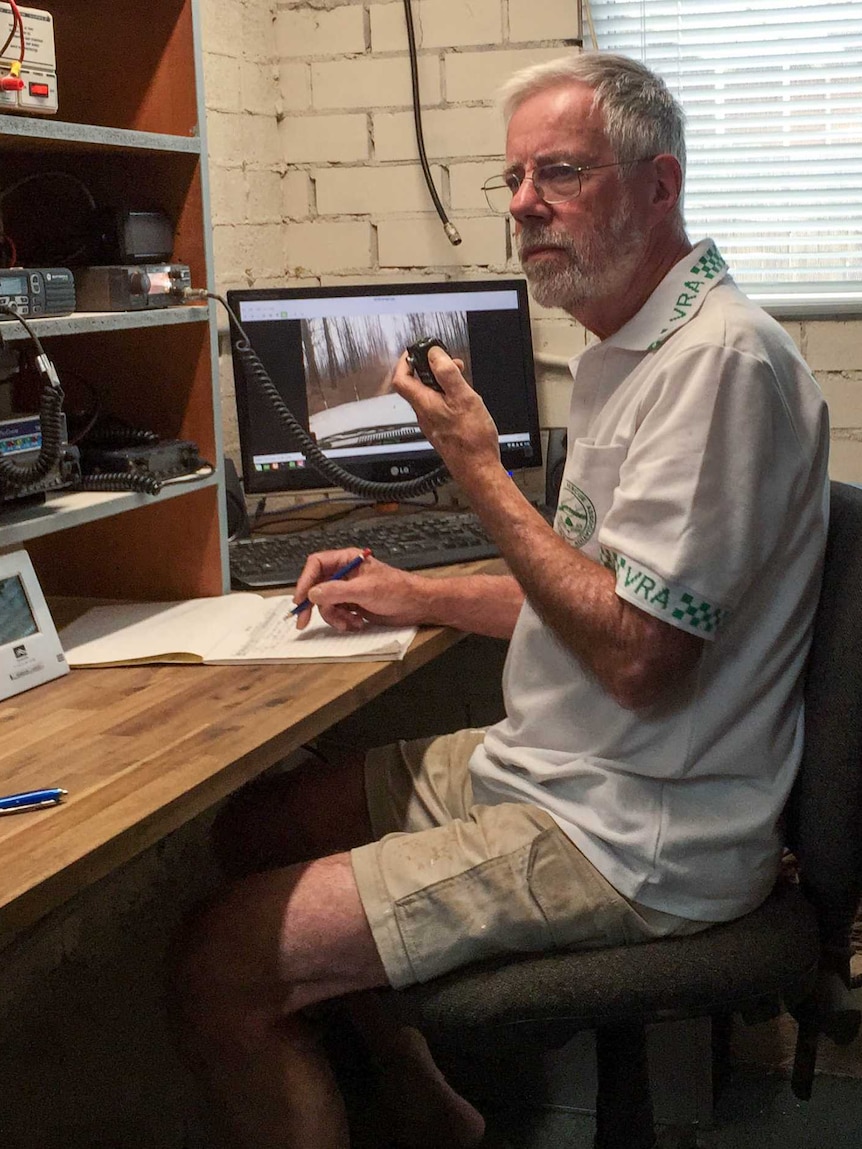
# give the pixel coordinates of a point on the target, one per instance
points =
(641, 117)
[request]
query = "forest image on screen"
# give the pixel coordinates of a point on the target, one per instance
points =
(349, 363)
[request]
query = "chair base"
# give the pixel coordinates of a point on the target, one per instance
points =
(624, 1113)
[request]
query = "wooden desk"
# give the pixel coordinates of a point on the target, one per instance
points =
(142, 750)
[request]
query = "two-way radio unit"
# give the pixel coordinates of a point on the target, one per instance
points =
(37, 291)
(131, 287)
(21, 444)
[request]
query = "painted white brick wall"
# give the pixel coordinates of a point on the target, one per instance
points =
(550, 20)
(470, 76)
(445, 24)
(315, 175)
(304, 32)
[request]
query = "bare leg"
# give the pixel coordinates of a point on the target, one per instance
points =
(283, 1094)
(278, 942)
(420, 1107)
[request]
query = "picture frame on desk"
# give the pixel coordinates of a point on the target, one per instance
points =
(30, 651)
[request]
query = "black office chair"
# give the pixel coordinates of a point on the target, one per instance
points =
(792, 952)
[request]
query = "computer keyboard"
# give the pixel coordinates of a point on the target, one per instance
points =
(410, 542)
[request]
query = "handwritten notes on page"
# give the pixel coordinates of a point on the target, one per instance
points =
(234, 628)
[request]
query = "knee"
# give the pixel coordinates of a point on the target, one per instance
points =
(191, 991)
(218, 990)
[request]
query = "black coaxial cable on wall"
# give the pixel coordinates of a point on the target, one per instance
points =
(452, 232)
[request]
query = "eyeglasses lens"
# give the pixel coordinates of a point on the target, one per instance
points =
(554, 183)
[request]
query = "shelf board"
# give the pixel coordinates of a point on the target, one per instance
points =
(67, 509)
(25, 131)
(87, 322)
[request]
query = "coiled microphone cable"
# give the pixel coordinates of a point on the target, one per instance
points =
(117, 481)
(13, 475)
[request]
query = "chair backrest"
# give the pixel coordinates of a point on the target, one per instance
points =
(825, 811)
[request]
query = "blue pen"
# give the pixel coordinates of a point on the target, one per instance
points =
(340, 573)
(31, 800)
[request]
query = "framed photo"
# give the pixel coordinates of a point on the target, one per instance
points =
(30, 651)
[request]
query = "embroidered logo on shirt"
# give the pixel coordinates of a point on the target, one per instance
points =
(710, 266)
(576, 516)
(645, 588)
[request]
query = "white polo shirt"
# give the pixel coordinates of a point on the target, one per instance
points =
(697, 469)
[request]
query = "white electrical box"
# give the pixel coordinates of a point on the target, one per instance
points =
(37, 70)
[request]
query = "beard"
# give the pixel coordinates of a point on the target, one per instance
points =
(597, 265)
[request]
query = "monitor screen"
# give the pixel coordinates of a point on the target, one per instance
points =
(331, 352)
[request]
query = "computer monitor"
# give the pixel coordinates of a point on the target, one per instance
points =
(331, 351)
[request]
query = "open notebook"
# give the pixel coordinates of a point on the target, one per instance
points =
(232, 629)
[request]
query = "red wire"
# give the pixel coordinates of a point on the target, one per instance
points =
(13, 251)
(16, 18)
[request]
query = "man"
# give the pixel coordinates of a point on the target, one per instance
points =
(658, 634)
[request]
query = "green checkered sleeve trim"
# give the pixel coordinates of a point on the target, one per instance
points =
(702, 616)
(677, 605)
(710, 264)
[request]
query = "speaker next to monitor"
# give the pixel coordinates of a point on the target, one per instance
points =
(237, 514)
(555, 464)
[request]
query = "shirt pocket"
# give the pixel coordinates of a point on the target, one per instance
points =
(591, 477)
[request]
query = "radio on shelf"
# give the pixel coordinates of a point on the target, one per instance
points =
(37, 290)
(131, 287)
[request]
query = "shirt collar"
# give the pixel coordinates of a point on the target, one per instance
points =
(675, 301)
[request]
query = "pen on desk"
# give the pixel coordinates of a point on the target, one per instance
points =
(31, 799)
(340, 573)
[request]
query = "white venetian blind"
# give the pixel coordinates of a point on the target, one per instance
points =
(772, 91)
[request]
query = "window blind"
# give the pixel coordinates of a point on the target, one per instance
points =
(772, 91)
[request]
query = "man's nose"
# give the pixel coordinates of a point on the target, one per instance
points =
(526, 203)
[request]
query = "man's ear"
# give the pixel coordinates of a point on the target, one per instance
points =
(667, 182)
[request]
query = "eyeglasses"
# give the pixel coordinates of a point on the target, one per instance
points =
(552, 183)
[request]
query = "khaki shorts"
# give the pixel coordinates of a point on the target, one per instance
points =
(449, 882)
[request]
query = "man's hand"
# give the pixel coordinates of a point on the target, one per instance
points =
(456, 422)
(373, 593)
(377, 593)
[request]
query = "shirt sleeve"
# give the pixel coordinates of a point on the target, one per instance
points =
(704, 489)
